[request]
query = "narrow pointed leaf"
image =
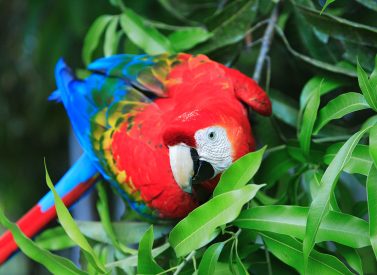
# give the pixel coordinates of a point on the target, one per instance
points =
(291, 220)
(308, 120)
(320, 205)
(143, 35)
(328, 85)
(210, 258)
(201, 225)
(368, 90)
(240, 172)
(289, 251)
(111, 37)
(359, 163)
(55, 264)
(372, 190)
(186, 38)
(72, 229)
(93, 36)
(338, 107)
(146, 264)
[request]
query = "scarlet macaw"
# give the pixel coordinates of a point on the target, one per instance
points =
(158, 128)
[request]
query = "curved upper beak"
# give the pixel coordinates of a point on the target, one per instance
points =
(188, 168)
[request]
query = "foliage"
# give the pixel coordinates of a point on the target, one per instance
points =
(307, 203)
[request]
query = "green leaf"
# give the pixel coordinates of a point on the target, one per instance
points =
(289, 251)
(54, 239)
(275, 165)
(328, 85)
(135, 231)
(308, 120)
(291, 220)
(210, 258)
(320, 205)
(314, 62)
(201, 225)
(240, 172)
(366, 87)
(230, 25)
(132, 261)
(186, 38)
(55, 264)
(72, 229)
(103, 211)
(93, 36)
(143, 35)
(146, 264)
(338, 107)
(285, 108)
(111, 37)
(340, 28)
(372, 190)
(352, 257)
(359, 163)
(328, 2)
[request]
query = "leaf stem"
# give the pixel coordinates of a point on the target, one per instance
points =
(182, 265)
(266, 42)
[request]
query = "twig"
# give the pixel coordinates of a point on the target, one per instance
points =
(182, 265)
(267, 38)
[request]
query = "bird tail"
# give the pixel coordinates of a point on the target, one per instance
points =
(77, 181)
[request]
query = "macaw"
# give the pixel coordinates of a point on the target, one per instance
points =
(160, 129)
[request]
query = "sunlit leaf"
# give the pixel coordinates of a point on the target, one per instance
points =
(146, 263)
(359, 163)
(143, 35)
(372, 190)
(201, 225)
(111, 37)
(93, 36)
(209, 260)
(338, 107)
(366, 87)
(72, 230)
(291, 220)
(352, 257)
(186, 38)
(328, 85)
(53, 263)
(240, 172)
(320, 205)
(308, 120)
(289, 251)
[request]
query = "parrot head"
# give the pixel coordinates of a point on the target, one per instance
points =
(208, 133)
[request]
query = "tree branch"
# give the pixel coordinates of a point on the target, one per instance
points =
(266, 42)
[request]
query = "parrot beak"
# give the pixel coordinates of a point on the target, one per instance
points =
(187, 167)
(203, 170)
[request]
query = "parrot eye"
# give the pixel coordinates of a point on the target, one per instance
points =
(212, 135)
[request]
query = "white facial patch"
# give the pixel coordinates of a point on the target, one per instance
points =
(213, 146)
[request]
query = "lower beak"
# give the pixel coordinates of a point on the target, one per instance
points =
(203, 172)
